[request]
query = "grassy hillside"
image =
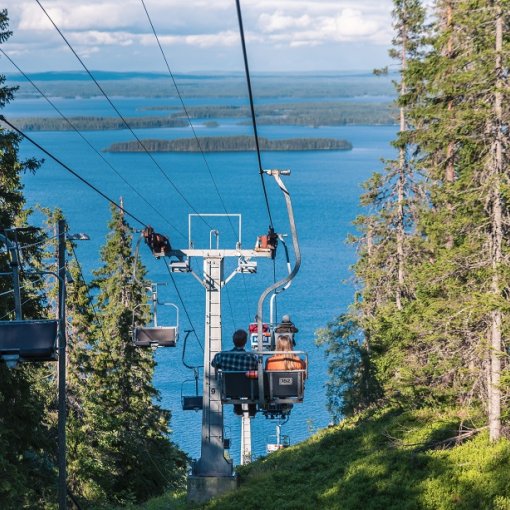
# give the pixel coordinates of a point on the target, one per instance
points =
(392, 460)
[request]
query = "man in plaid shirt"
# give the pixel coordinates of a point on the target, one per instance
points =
(237, 359)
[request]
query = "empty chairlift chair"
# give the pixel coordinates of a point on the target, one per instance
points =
(28, 340)
(157, 336)
(25, 340)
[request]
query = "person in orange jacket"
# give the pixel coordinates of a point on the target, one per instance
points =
(285, 360)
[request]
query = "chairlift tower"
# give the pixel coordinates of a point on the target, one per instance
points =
(212, 474)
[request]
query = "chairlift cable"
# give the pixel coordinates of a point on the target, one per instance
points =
(69, 122)
(142, 145)
(186, 111)
(94, 311)
(182, 303)
(230, 308)
(32, 245)
(71, 171)
(171, 74)
(252, 109)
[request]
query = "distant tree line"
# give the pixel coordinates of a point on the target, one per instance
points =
(96, 123)
(230, 144)
(430, 322)
(219, 86)
(298, 114)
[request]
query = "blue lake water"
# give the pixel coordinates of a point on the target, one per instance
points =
(324, 186)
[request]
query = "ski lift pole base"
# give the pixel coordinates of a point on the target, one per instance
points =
(201, 489)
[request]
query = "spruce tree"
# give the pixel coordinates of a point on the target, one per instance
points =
(367, 346)
(127, 453)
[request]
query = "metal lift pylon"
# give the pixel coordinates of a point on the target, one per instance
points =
(212, 474)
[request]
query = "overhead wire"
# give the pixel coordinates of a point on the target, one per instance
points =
(70, 123)
(183, 304)
(215, 185)
(94, 311)
(254, 121)
(252, 109)
(103, 92)
(73, 172)
(184, 107)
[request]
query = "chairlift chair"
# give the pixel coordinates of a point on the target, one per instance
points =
(281, 387)
(191, 402)
(275, 446)
(266, 335)
(157, 336)
(28, 340)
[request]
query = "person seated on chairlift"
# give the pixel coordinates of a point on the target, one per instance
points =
(286, 326)
(237, 360)
(285, 360)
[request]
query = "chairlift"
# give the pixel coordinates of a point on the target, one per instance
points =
(280, 440)
(266, 335)
(277, 441)
(26, 340)
(157, 336)
(190, 402)
(280, 387)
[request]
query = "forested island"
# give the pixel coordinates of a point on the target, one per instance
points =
(96, 123)
(231, 144)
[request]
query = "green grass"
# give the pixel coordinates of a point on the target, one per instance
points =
(392, 460)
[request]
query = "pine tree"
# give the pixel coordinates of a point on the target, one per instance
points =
(127, 454)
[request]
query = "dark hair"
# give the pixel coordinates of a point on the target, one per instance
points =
(240, 337)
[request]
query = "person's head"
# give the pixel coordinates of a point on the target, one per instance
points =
(286, 318)
(240, 337)
(284, 343)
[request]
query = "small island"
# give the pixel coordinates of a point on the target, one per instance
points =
(230, 144)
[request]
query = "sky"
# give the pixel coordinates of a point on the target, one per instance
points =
(199, 35)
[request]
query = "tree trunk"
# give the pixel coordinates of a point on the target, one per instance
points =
(496, 242)
(400, 186)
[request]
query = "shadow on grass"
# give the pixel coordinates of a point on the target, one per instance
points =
(379, 464)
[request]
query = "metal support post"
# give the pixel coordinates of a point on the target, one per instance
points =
(245, 436)
(212, 461)
(62, 468)
(13, 254)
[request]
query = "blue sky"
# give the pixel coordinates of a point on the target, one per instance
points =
(200, 35)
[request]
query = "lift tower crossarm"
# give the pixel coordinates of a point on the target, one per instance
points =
(193, 252)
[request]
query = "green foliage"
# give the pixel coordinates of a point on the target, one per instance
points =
(433, 243)
(27, 437)
(391, 460)
(352, 385)
(124, 454)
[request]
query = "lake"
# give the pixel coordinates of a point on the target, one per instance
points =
(324, 187)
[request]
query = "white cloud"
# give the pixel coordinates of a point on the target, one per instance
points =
(70, 16)
(278, 21)
(199, 25)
